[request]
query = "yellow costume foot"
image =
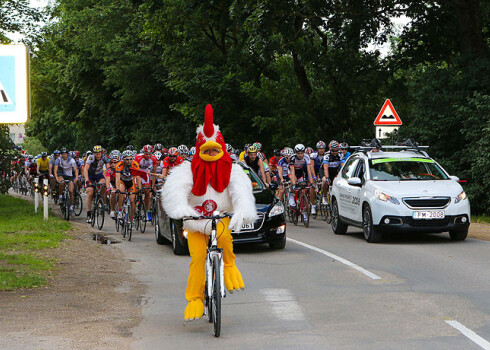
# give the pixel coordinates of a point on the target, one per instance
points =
(233, 279)
(194, 310)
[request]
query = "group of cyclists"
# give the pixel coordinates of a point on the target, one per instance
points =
(145, 171)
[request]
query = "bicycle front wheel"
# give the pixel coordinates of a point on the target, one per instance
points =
(99, 213)
(78, 204)
(142, 216)
(216, 297)
(66, 207)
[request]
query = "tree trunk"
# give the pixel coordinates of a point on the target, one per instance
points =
(300, 71)
(468, 13)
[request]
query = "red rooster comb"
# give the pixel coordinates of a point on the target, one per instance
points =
(208, 121)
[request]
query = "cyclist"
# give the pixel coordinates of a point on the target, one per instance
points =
(52, 179)
(317, 158)
(159, 177)
(31, 168)
(300, 170)
(43, 167)
(254, 162)
(110, 180)
(231, 152)
(192, 152)
(331, 166)
(283, 167)
(126, 181)
(147, 162)
(344, 153)
(244, 152)
(93, 174)
(183, 152)
(66, 169)
(173, 159)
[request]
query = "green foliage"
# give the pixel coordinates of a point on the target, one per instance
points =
(17, 16)
(33, 146)
(7, 155)
(23, 242)
(279, 72)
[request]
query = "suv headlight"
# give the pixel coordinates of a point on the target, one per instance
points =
(461, 197)
(385, 197)
(277, 209)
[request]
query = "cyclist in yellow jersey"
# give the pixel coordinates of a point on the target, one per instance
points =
(43, 167)
(244, 153)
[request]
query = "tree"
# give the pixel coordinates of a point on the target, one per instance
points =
(17, 16)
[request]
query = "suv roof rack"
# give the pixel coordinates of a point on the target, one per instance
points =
(407, 145)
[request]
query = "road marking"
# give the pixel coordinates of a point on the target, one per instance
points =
(470, 334)
(338, 258)
(283, 303)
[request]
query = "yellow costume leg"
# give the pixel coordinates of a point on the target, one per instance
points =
(194, 293)
(233, 277)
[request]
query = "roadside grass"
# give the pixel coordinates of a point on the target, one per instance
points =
(25, 241)
(481, 219)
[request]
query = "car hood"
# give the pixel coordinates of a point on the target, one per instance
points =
(419, 188)
(263, 199)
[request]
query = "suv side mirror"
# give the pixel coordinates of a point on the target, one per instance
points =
(354, 181)
(454, 178)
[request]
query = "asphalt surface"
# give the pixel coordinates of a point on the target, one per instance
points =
(300, 298)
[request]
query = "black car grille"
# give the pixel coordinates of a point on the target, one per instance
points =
(439, 202)
(428, 223)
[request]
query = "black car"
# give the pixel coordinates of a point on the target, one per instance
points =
(270, 226)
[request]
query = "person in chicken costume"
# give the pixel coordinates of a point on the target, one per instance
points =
(211, 177)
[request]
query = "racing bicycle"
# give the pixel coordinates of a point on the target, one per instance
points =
(97, 212)
(303, 205)
(215, 281)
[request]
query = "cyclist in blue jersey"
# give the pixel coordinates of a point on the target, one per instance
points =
(344, 153)
(332, 162)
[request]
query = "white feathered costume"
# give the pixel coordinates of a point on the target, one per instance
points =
(210, 177)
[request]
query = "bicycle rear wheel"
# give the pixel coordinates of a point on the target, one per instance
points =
(294, 215)
(216, 297)
(137, 215)
(306, 212)
(99, 213)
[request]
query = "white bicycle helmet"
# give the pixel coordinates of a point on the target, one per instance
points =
(158, 155)
(183, 150)
(287, 152)
(127, 153)
(321, 144)
(299, 148)
(333, 144)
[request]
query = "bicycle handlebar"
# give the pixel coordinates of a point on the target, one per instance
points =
(213, 217)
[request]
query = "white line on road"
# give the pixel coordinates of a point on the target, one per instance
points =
(338, 258)
(283, 304)
(470, 334)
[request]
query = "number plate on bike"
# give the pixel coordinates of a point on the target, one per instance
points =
(428, 214)
(248, 227)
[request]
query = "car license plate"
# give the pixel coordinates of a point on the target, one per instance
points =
(429, 214)
(248, 226)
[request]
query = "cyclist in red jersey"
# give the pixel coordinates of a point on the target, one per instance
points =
(173, 159)
(147, 162)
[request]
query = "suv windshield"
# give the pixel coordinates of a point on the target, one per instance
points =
(403, 169)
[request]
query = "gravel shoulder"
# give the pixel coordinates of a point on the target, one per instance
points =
(479, 231)
(91, 301)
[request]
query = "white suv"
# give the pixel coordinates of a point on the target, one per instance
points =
(403, 190)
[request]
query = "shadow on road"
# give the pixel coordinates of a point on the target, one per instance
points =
(408, 238)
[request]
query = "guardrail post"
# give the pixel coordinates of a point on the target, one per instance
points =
(36, 194)
(45, 194)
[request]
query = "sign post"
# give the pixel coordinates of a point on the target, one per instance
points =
(15, 102)
(387, 121)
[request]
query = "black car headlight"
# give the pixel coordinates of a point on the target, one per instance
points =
(277, 209)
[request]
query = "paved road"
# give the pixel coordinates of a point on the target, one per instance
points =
(409, 291)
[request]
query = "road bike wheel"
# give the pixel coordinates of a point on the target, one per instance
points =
(66, 212)
(137, 216)
(93, 211)
(78, 204)
(129, 230)
(142, 218)
(294, 216)
(216, 297)
(100, 213)
(123, 226)
(306, 212)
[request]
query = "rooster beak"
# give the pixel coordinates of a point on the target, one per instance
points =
(211, 145)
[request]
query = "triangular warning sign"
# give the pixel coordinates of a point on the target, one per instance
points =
(4, 98)
(388, 115)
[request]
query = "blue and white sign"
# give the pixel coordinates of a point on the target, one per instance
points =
(14, 84)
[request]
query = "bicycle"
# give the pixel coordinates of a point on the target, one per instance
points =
(97, 212)
(139, 213)
(303, 205)
(214, 288)
(124, 222)
(320, 207)
(65, 203)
